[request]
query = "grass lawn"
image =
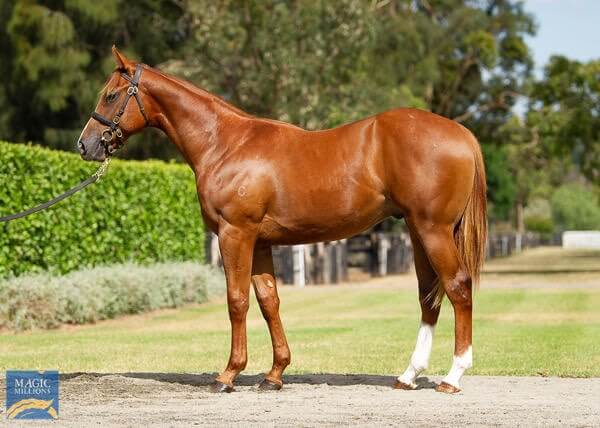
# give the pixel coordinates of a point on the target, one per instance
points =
(368, 328)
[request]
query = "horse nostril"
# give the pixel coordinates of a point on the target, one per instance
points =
(81, 147)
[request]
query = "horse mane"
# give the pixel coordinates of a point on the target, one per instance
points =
(199, 91)
(215, 98)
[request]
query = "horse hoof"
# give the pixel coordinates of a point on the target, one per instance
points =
(405, 386)
(269, 385)
(447, 388)
(218, 386)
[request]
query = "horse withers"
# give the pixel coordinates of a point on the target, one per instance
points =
(263, 182)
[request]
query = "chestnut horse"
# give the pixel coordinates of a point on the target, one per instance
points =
(262, 182)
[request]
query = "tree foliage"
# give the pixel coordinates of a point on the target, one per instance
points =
(316, 64)
(565, 108)
(322, 63)
(54, 56)
(576, 208)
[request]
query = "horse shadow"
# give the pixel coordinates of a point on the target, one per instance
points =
(206, 379)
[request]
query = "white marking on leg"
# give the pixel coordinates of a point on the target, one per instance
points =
(420, 357)
(460, 363)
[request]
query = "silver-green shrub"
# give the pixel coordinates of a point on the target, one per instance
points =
(46, 301)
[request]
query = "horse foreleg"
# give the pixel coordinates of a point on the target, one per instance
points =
(265, 287)
(236, 245)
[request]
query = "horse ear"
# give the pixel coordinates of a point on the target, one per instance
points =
(123, 63)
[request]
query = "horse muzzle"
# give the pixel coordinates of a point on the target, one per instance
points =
(91, 152)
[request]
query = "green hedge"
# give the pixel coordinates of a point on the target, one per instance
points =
(46, 301)
(140, 211)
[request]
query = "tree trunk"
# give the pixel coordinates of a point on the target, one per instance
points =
(520, 220)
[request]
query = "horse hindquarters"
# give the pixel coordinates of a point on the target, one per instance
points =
(455, 251)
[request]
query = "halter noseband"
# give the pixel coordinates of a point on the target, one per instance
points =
(108, 135)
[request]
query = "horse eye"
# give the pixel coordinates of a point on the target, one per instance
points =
(111, 97)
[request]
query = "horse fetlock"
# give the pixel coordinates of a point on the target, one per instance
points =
(284, 359)
(420, 360)
(465, 360)
(419, 365)
(408, 378)
(460, 364)
(237, 363)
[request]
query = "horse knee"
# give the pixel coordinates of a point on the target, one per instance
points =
(459, 290)
(238, 307)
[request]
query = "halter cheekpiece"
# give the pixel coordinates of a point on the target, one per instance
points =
(108, 140)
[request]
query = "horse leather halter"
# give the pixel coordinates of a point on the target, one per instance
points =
(114, 130)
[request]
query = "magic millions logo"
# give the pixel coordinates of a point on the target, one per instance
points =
(31, 394)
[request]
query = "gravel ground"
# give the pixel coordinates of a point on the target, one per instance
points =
(148, 399)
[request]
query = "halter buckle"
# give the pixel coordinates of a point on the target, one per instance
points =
(110, 134)
(116, 119)
(132, 90)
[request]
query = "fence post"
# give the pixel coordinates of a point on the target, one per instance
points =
(299, 267)
(342, 260)
(383, 242)
(505, 245)
(213, 254)
(320, 263)
(309, 263)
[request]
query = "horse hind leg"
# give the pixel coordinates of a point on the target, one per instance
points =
(430, 311)
(439, 245)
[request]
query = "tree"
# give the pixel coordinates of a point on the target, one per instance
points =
(55, 55)
(565, 107)
(575, 207)
(319, 63)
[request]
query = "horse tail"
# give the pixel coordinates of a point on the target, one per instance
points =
(470, 234)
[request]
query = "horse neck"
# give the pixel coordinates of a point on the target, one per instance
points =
(200, 124)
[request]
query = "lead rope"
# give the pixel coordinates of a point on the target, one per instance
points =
(95, 177)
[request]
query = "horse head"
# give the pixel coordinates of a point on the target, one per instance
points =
(116, 117)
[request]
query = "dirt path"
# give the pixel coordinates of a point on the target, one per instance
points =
(325, 400)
